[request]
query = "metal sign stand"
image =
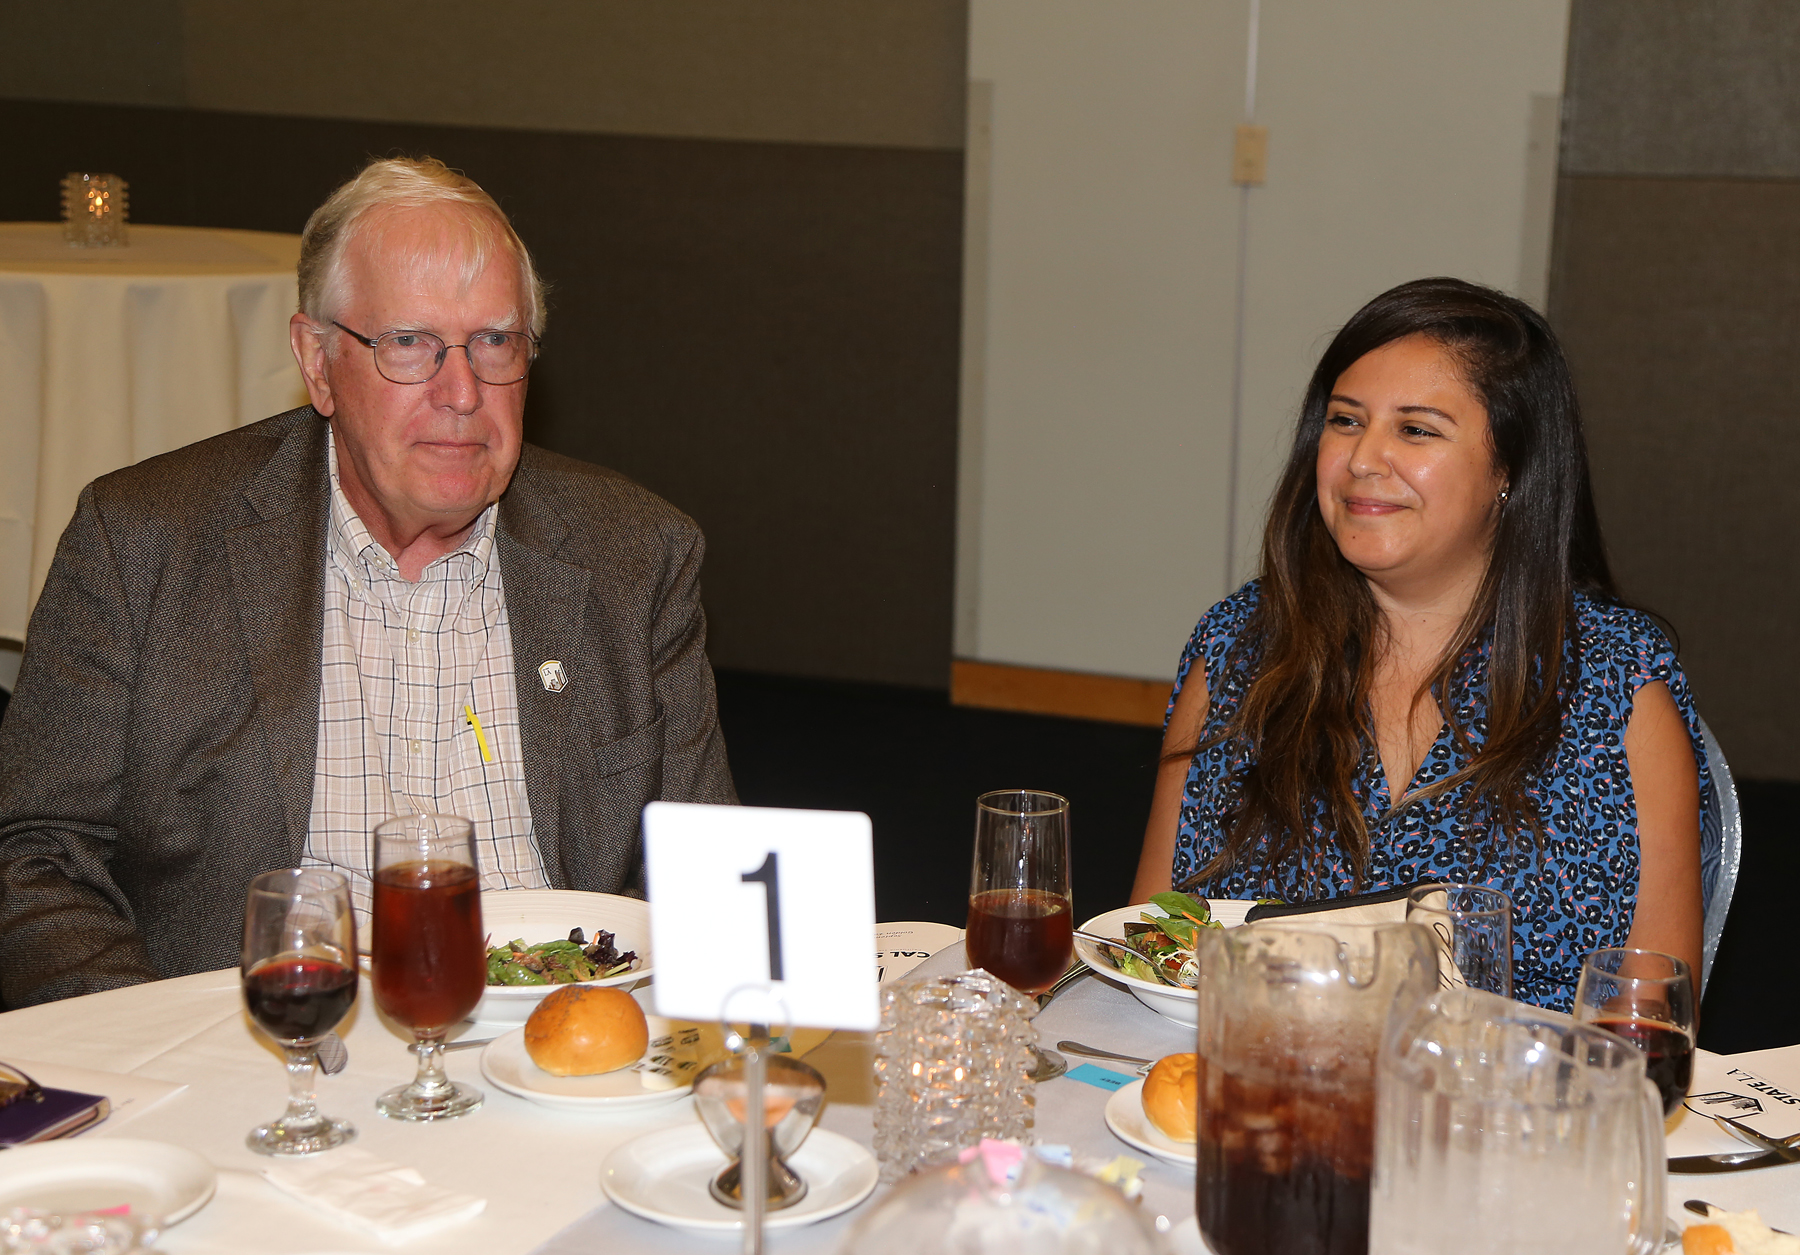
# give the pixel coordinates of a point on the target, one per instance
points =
(754, 1157)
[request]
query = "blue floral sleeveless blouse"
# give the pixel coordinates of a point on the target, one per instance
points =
(1573, 894)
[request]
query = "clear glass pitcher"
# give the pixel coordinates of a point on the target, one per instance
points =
(1291, 1019)
(1502, 1127)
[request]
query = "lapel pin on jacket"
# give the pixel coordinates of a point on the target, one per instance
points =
(554, 677)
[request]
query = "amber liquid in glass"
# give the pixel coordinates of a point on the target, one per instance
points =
(1023, 936)
(430, 966)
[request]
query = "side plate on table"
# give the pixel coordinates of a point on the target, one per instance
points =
(97, 1174)
(663, 1176)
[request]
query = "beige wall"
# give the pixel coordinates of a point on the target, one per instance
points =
(1097, 414)
(872, 72)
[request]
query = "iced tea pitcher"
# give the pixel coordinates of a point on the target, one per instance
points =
(1502, 1127)
(1291, 1018)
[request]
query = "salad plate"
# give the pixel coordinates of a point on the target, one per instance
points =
(1166, 1000)
(1125, 1117)
(96, 1174)
(537, 915)
(663, 1176)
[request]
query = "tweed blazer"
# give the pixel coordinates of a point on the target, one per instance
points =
(159, 750)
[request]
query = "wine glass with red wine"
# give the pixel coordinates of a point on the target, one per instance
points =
(299, 976)
(1647, 998)
(428, 960)
(1021, 925)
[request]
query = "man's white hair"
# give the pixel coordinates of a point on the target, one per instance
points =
(403, 183)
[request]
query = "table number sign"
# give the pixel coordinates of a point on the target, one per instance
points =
(757, 907)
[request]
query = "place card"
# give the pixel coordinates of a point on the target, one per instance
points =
(762, 914)
(1100, 1078)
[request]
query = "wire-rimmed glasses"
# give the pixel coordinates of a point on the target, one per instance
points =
(16, 1085)
(496, 358)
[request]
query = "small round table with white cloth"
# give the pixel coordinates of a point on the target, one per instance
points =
(111, 355)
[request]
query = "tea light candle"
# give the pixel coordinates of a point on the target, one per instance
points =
(94, 210)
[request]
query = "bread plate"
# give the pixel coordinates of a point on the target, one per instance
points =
(1166, 1000)
(1125, 1117)
(507, 1066)
(534, 915)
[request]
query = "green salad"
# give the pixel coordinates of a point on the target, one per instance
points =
(558, 962)
(1161, 947)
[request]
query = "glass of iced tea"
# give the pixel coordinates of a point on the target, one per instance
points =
(299, 978)
(1021, 925)
(428, 958)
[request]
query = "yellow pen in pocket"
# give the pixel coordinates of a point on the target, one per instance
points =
(480, 736)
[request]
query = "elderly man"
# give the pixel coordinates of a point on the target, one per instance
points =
(252, 650)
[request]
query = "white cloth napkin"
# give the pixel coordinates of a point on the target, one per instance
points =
(386, 1199)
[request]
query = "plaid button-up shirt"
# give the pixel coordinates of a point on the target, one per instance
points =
(402, 666)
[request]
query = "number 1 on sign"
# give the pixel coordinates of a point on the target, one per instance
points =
(769, 877)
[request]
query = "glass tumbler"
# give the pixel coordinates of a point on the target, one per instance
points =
(1473, 930)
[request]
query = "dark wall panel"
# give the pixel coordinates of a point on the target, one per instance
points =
(766, 334)
(1679, 303)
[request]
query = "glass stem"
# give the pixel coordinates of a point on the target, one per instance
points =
(303, 1103)
(431, 1079)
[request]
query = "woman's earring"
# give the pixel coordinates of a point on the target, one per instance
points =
(1503, 496)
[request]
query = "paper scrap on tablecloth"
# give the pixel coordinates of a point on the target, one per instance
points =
(1102, 1078)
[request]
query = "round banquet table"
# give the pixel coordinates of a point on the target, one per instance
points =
(111, 355)
(539, 1169)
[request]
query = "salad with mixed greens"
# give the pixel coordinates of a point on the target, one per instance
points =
(558, 962)
(1161, 947)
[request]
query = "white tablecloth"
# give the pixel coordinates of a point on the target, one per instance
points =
(539, 1169)
(111, 355)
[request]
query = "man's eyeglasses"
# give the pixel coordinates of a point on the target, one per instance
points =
(15, 1086)
(495, 357)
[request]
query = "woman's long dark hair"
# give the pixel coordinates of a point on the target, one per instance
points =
(1316, 635)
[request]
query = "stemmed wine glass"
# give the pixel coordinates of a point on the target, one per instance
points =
(1647, 998)
(299, 977)
(1021, 924)
(429, 963)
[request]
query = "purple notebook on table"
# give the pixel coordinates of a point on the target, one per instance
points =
(62, 1113)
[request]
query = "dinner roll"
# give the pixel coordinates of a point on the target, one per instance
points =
(580, 1030)
(1170, 1092)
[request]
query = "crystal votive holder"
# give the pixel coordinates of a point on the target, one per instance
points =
(793, 1093)
(94, 210)
(951, 1065)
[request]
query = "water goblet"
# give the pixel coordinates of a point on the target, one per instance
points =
(428, 958)
(1473, 930)
(299, 979)
(1647, 998)
(1021, 922)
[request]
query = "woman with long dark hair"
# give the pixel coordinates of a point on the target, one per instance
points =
(1433, 677)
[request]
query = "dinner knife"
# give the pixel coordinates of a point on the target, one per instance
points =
(1728, 1163)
